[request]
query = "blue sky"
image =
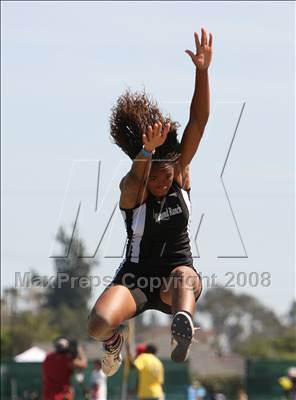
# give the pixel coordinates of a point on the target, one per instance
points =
(63, 66)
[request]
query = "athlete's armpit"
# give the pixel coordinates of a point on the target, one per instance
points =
(182, 176)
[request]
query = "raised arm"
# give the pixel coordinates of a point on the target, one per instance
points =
(80, 361)
(200, 105)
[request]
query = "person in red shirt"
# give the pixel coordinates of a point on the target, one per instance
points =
(57, 369)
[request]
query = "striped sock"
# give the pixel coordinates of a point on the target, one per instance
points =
(113, 340)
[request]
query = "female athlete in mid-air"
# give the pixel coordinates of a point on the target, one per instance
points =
(157, 272)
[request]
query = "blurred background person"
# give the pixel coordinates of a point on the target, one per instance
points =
(288, 384)
(242, 395)
(140, 348)
(58, 367)
(150, 371)
(98, 382)
(196, 391)
(220, 396)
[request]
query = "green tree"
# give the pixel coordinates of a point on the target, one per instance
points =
(33, 314)
(292, 314)
(237, 316)
(281, 347)
(72, 286)
(26, 329)
(6, 342)
(70, 322)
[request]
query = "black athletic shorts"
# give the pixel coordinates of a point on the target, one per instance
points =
(145, 285)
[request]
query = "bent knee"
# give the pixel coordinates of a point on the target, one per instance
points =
(184, 273)
(187, 277)
(98, 325)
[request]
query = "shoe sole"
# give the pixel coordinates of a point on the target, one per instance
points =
(182, 333)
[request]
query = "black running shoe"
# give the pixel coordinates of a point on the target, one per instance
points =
(183, 334)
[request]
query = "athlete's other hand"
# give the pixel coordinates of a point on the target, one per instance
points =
(203, 56)
(155, 136)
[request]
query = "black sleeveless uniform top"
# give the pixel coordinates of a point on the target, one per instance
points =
(158, 231)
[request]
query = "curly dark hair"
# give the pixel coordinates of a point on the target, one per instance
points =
(130, 118)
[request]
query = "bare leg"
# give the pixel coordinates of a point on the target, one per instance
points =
(114, 306)
(182, 291)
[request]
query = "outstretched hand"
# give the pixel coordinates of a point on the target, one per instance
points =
(155, 136)
(203, 56)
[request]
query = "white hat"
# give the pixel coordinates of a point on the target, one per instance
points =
(62, 344)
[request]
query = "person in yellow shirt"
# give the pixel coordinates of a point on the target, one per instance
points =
(150, 374)
(288, 383)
